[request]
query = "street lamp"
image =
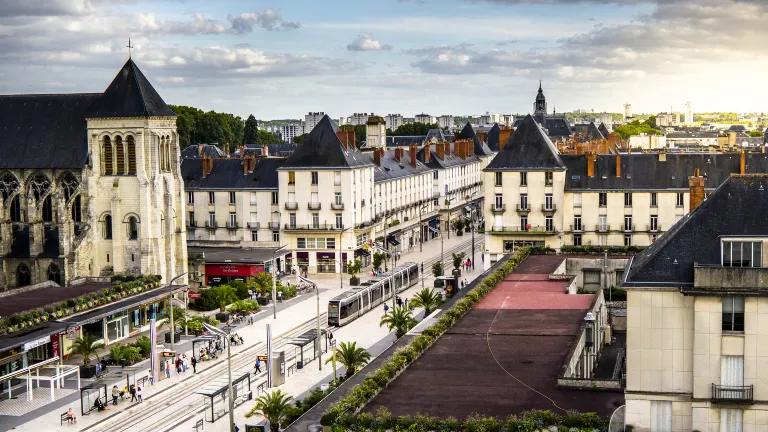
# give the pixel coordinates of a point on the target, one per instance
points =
(220, 332)
(421, 228)
(170, 302)
(448, 203)
(274, 281)
(472, 212)
(341, 260)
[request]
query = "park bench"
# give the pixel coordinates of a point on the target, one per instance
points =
(66, 417)
(199, 425)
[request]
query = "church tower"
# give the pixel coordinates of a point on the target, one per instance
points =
(540, 106)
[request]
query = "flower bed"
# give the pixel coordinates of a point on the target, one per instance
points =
(128, 286)
(345, 411)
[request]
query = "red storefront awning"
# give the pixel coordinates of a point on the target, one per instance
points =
(233, 269)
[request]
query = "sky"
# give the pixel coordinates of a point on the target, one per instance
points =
(283, 58)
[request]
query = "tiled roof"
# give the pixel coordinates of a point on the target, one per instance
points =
(322, 149)
(130, 95)
(529, 148)
(450, 159)
(227, 174)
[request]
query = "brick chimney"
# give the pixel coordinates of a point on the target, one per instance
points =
(377, 155)
(696, 183)
(398, 154)
(482, 136)
(618, 165)
(427, 152)
(471, 148)
(590, 165)
(246, 165)
(441, 150)
(207, 164)
(412, 153)
(504, 135)
(743, 164)
(264, 150)
(347, 138)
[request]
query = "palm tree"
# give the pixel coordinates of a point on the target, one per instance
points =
(427, 298)
(273, 406)
(458, 258)
(263, 283)
(351, 356)
(223, 295)
(86, 346)
(399, 319)
(179, 318)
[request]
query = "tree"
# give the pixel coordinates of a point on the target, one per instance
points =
(755, 133)
(399, 319)
(86, 346)
(264, 137)
(179, 319)
(651, 121)
(378, 259)
(635, 128)
(458, 258)
(407, 129)
(263, 283)
(427, 298)
(250, 130)
(354, 267)
(244, 307)
(351, 356)
(437, 269)
(300, 138)
(223, 295)
(273, 406)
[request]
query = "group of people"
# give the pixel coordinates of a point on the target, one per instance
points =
(236, 339)
(401, 303)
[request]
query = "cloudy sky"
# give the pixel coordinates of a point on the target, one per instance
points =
(282, 58)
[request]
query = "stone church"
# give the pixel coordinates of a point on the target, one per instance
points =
(91, 185)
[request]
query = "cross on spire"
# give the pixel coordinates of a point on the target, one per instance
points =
(129, 46)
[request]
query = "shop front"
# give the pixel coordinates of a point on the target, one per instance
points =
(326, 262)
(434, 230)
(220, 274)
(11, 361)
(364, 256)
(139, 318)
(302, 262)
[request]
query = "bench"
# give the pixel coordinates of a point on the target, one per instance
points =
(199, 425)
(142, 382)
(261, 388)
(219, 414)
(66, 417)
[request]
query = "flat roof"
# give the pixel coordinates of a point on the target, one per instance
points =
(517, 338)
(41, 297)
(234, 255)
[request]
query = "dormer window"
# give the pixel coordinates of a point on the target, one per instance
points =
(742, 254)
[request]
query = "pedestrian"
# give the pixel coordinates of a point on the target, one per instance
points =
(469, 263)
(257, 366)
(178, 364)
(406, 302)
(138, 394)
(184, 363)
(280, 296)
(465, 282)
(167, 369)
(194, 364)
(151, 377)
(133, 393)
(115, 394)
(386, 308)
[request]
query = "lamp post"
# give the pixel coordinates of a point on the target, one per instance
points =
(170, 302)
(472, 212)
(448, 202)
(274, 281)
(221, 332)
(341, 260)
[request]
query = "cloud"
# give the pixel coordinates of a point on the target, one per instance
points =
(366, 42)
(268, 19)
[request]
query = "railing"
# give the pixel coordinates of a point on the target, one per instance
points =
(274, 225)
(732, 394)
(628, 228)
(291, 206)
(576, 228)
(339, 206)
(314, 206)
(209, 224)
(320, 227)
(653, 228)
(602, 228)
(517, 229)
(550, 208)
(232, 225)
(255, 225)
(523, 208)
(498, 208)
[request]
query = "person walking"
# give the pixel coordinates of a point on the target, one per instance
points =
(184, 363)
(469, 263)
(194, 364)
(133, 393)
(465, 282)
(386, 308)
(138, 394)
(115, 394)
(279, 296)
(177, 363)
(257, 366)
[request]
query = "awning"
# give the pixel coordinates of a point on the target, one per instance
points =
(393, 241)
(362, 252)
(435, 223)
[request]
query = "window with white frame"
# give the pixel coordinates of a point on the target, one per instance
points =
(523, 179)
(523, 201)
(680, 199)
(499, 201)
(339, 221)
(232, 219)
(549, 224)
(276, 236)
(733, 314)
(275, 198)
(337, 198)
(731, 420)
(548, 202)
(742, 253)
(232, 198)
(577, 200)
(654, 223)
(211, 198)
(315, 220)
(254, 236)
(577, 223)
(337, 178)
(190, 197)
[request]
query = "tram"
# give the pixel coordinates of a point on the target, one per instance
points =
(352, 304)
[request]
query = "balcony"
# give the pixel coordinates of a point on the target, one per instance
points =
(716, 280)
(337, 206)
(526, 230)
(191, 224)
(291, 206)
(498, 209)
(653, 228)
(274, 225)
(629, 227)
(732, 394)
(549, 208)
(602, 228)
(232, 225)
(254, 225)
(576, 228)
(314, 206)
(312, 227)
(211, 224)
(523, 208)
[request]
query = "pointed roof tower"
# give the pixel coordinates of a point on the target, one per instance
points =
(322, 149)
(529, 148)
(603, 130)
(130, 95)
(493, 138)
(469, 133)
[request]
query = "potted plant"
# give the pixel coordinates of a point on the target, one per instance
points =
(378, 259)
(353, 269)
(263, 284)
(459, 225)
(458, 258)
(223, 295)
(179, 318)
(86, 346)
(437, 271)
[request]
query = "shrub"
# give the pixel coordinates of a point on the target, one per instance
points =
(615, 294)
(206, 302)
(241, 289)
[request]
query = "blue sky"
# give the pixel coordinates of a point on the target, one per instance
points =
(280, 59)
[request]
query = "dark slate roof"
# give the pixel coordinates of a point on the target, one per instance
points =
(130, 95)
(450, 159)
(737, 128)
(588, 131)
(391, 169)
(557, 127)
(603, 130)
(227, 174)
(44, 131)
(439, 135)
(191, 152)
(493, 138)
(528, 148)
(739, 207)
(641, 171)
(399, 141)
(481, 149)
(323, 149)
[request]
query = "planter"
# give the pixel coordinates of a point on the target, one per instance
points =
(176, 337)
(459, 233)
(263, 301)
(354, 281)
(438, 283)
(456, 273)
(87, 371)
(222, 317)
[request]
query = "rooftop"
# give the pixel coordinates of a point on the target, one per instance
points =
(227, 174)
(527, 148)
(323, 149)
(41, 297)
(233, 255)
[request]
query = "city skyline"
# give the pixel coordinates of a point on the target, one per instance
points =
(281, 60)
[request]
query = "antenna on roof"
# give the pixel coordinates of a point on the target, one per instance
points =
(129, 46)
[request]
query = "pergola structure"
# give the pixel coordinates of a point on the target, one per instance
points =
(47, 370)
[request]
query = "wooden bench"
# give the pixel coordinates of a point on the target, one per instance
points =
(66, 417)
(199, 425)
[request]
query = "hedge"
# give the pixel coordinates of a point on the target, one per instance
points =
(345, 409)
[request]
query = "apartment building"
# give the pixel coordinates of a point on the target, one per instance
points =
(312, 119)
(445, 122)
(289, 132)
(697, 342)
(669, 119)
(393, 121)
(424, 118)
(357, 119)
(539, 197)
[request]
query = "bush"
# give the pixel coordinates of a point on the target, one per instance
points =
(206, 302)
(241, 290)
(243, 307)
(599, 250)
(615, 294)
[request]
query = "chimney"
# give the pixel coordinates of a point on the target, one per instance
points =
(199, 150)
(590, 164)
(397, 153)
(743, 163)
(441, 150)
(264, 150)
(697, 189)
(504, 135)
(246, 165)
(377, 156)
(347, 138)
(427, 152)
(482, 136)
(618, 165)
(412, 152)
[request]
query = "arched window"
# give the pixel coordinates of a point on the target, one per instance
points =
(133, 228)
(167, 153)
(106, 156)
(77, 210)
(23, 276)
(119, 156)
(54, 274)
(108, 227)
(69, 184)
(131, 155)
(16, 208)
(48, 209)
(8, 185)
(162, 154)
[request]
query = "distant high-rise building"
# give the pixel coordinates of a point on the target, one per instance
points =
(668, 119)
(606, 118)
(393, 121)
(312, 119)
(357, 119)
(289, 132)
(445, 121)
(627, 111)
(424, 118)
(688, 114)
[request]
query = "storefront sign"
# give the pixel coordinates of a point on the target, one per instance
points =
(233, 270)
(194, 295)
(54, 345)
(36, 343)
(326, 255)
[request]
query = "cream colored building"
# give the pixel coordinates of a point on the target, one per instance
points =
(101, 195)
(697, 343)
(537, 197)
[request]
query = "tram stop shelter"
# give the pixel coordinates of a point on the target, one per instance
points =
(300, 342)
(217, 405)
(203, 341)
(89, 394)
(48, 370)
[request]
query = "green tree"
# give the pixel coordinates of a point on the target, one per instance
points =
(263, 283)
(427, 298)
(300, 138)
(755, 133)
(273, 406)
(651, 121)
(86, 346)
(223, 295)
(437, 269)
(398, 319)
(244, 307)
(378, 259)
(250, 130)
(351, 356)
(458, 258)
(234, 126)
(635, 128)
(132, 354)
(354, 267)
(264, 137)
(407, 129)
(180, 318)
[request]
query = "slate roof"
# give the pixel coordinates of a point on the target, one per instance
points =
(391, 169)
(323, 149)
(640, 171)
(227, 174)
(528, 148)
(130, 95)
(493, 138)
(738, 207)
(603, 130)
(481, 149)
(450, 159)
(439, 135)
(191, 152)
(44, 131)
(588, 131)
(557, 127)
(399, 141)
